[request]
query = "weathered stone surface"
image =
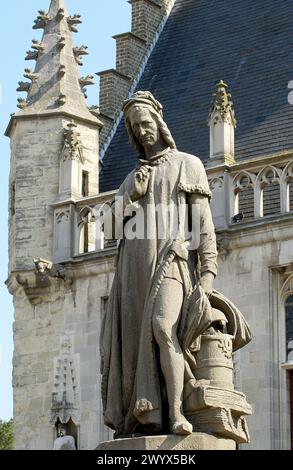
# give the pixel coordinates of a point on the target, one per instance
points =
(195, 441)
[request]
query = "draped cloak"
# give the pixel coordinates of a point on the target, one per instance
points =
(131, 389)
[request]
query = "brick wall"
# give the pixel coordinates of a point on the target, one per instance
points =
(131, 49)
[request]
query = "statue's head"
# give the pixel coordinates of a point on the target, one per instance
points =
(144, 122)
(61, 430)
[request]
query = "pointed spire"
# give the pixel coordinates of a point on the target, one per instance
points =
(222, 103)
(56, 85)
(222, 123)
(56, 6)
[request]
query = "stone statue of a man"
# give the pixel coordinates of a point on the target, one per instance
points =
(144, 365)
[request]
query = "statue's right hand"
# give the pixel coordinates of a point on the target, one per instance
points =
(140, 182)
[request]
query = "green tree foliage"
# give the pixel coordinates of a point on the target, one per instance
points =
(6, 435)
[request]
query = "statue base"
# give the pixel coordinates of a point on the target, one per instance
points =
(195, 441)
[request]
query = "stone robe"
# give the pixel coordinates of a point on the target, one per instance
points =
(131, 376)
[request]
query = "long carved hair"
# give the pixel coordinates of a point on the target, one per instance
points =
(163, 128)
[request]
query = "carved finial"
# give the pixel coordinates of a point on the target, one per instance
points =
(41, 21)
(223, 104)
(86, 81)
(38, 45)
(73, 21)
(61, 42)
(30, 75)
(60, 14)
(222, 123)
(31, 55)
(78, 52)
(62, 71)
(21, 103)
(61, 99)
(23, 86)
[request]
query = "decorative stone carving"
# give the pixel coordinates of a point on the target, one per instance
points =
(216, 182)
(72, 148)
(22, 103)
(43, 266)
(287, 288)
(23, 86)
(41, 21)
(61, 100)
(79, 52)
(222, 122)
(244, 180)
(38, 45)
(86, 81)
(222, 105)
(287, 174)
(268, 175)
(60, 14)
(64, 214)
(28, 73)
(62, 71)
(66, 396)
(73, 21)
(61, 42)
(31, 55)
(48, 268)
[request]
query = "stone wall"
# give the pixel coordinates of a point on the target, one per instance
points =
(246, 276)
(71, 308)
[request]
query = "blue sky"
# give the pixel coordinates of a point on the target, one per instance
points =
(101, 20)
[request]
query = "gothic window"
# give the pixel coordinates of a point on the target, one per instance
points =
(87, 237)
(246, 199)
(288, 180)
(244, 196)
(270, 192)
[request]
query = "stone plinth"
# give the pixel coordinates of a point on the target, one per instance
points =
(195, 441)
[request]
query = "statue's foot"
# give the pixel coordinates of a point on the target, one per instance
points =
(182, 427)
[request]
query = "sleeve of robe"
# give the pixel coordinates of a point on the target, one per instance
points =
(194, 182)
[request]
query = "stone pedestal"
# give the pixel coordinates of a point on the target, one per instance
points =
(195, 441)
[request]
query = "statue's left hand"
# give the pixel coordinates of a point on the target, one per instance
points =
(206, 281)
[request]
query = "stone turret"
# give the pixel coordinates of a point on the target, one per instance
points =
(222, 124)
(45, 179)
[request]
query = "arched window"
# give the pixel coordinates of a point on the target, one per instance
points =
(270, 191)
(87, 227)
(246, 199)
(244, 195)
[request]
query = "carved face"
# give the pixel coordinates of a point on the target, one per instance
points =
(144, 126)
(42, 267)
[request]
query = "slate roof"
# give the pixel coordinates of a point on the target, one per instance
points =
(248, 44)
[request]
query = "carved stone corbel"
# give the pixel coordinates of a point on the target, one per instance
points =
(73, 21)
(72, 148)
(41, 21)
